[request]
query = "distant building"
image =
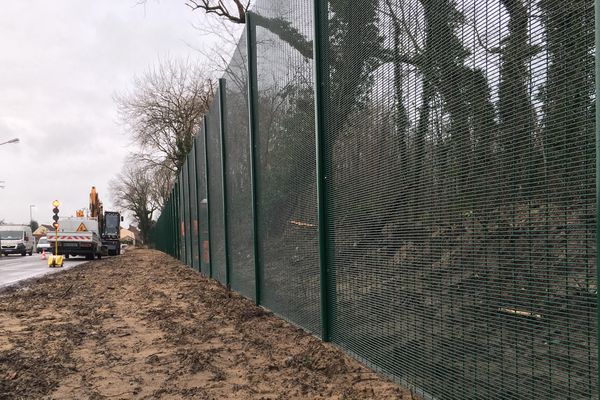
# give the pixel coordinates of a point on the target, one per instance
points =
(127, 237)
(136, 233)
(41, 231)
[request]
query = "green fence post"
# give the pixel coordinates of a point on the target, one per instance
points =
(223, 126)
(321, 88)
(597, 112)
(207, 172)
(253, 130)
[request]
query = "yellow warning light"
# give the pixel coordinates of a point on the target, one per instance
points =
(55, 203)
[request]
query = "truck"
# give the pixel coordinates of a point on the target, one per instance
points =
(77, 236)
(91, 236)
(109, 224)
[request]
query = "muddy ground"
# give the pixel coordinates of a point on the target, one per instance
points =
(144, 326)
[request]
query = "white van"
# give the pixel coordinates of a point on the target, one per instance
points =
(16, 239)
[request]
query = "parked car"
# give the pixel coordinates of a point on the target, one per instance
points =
(43, 244)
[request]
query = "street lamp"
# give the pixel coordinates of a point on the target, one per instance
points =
(15, 140)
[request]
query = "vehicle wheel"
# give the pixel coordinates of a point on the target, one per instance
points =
(89, 256)
(23, 254)
(30, 253)
(99, 256)
(67, 255)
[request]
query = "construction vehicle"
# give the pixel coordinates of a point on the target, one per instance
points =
(109, 223)
(111, 232)
(91, 236)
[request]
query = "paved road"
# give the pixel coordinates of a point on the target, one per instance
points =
(15, 268)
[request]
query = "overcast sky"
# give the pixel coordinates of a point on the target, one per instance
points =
(61, 62)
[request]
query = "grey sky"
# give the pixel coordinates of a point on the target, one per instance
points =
(60, 64)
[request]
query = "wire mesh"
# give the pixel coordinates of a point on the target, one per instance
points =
(180, 218)
(462, 197)
(202, 203)
(239, 201)
(460, 189)
(186, 214)
(215, 193)
(285, 171)
(194, 231)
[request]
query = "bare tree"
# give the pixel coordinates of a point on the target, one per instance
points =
(134, 190)
(163, 111)
(162, 184)
(233, 10)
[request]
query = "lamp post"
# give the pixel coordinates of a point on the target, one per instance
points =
(30, 214)
(15, 140)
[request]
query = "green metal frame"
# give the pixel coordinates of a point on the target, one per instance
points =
(252, 132)
(173, 224)
(223, 132)
(597, 112)
(321, 89)
(176, 217)
(206, 171)
(197, 206)
(191, 206)
(186, 210)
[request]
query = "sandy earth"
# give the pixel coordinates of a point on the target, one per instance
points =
(144, 326)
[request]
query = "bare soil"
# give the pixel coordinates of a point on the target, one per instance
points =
(144, 326)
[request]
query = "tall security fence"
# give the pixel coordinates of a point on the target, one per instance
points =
(414, 181)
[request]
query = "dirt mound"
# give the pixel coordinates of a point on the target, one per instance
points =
(143, 326)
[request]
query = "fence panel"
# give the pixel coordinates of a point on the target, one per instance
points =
(186, 214)
(462, 194)
(215, 193)
(285, 172)
(194, 239)
(239, 200)
(202, 202)
(180, 219)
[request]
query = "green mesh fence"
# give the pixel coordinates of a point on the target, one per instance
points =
(215, 192)
(186, 213)
(462, 201)
(239, 203)
(285, 170)
(176, 220)
(458, 188)
(180, 218)
(202, 202)
(194, 231)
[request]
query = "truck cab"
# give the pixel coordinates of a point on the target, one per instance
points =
(111, 232)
